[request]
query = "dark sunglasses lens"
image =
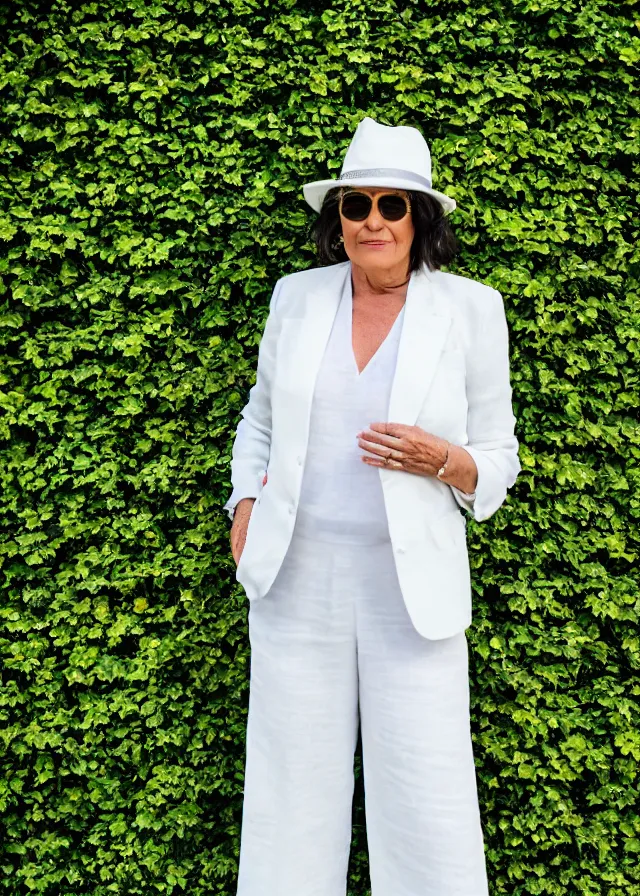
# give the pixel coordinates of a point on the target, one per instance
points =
(393, 208)
(356, 206)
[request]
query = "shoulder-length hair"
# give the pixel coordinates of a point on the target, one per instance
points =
(434, 243)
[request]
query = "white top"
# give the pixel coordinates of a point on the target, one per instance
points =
(341, 497)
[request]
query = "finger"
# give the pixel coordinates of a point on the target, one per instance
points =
(377, 450)
(380, 438)
(407, 466)
(397, 430)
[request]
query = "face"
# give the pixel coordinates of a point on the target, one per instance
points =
(376, 243)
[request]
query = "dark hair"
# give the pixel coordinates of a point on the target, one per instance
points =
(434, 243)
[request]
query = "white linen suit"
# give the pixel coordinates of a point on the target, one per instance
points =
(451, 379)
(353, 628)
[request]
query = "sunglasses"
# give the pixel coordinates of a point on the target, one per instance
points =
(356, 206)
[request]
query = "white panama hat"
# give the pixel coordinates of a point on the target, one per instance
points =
(382, 156)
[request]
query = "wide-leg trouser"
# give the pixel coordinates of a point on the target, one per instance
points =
(332, 644)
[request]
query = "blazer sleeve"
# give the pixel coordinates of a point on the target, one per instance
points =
(490, 422)
(252, 443)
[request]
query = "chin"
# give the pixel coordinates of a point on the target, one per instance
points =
(376, 256)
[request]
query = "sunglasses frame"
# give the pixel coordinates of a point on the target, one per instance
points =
(347, 191)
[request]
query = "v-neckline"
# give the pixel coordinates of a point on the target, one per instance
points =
(360, 373)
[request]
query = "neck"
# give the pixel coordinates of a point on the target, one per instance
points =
(388, 283)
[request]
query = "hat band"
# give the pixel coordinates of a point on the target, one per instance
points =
(387, 172)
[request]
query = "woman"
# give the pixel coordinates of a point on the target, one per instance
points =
(380, 417)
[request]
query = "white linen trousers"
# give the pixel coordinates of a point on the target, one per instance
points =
(333, 646)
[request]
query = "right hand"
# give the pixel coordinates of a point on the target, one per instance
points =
(239, 527)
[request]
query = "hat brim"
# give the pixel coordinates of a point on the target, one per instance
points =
(315, 192)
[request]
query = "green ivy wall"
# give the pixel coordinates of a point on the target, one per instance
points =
(150, 182)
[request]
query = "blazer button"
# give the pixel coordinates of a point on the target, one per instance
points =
(400, 550)
(299, 460)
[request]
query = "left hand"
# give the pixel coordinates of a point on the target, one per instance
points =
(417, 450)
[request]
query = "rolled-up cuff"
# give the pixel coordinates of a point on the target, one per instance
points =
(464, 499)
(491, 488)
(231, 504)
(248, 489)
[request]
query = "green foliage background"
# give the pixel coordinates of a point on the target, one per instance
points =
(151, 169)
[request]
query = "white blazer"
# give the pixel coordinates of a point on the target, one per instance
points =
(451, 378)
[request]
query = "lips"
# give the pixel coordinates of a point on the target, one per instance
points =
(374, 242)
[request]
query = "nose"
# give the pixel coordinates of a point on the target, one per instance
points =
(375, 221)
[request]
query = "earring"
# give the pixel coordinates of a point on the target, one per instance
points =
(336, 243)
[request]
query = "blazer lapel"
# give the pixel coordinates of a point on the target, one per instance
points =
(427, 320)
(305, 332)
(426, 324)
